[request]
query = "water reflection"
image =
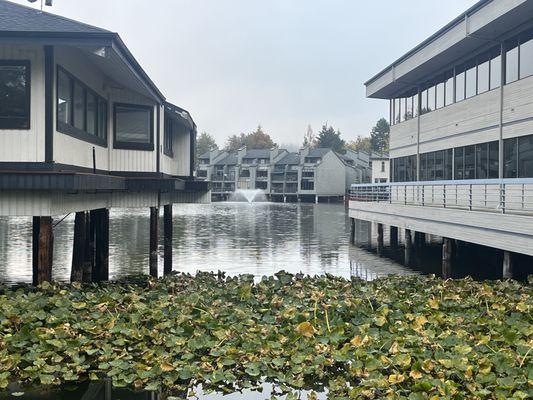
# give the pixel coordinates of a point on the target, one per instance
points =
(257, 238)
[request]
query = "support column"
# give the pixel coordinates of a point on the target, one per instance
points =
(316, 199)
(380, 240)
(101, 270)
(154, 219)
(88, 254)
(507, 265)
(352, 231)
(45, 250)
(78, 248)
(408, 247)
(447, 250)
(394, 238)
(167, 226)
(35, 248)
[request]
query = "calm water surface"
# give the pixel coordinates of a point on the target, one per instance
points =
(238, 238)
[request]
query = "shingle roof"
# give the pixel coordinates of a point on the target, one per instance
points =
(320, 152)
(231, 159)
(257, 153)
(18, 18)
(205, 156)
(290, 159)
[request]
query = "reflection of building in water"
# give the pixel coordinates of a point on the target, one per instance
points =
(369, 266)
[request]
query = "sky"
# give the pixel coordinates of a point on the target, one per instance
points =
(283, 64)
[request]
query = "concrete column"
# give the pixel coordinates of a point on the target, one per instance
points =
(352, 231)
(78, 248)
(380, 240)
(394, 238)
(408, 247)
(316, 199)
(88, 254)
(507, 265)
(447, 252)
(167, 226)
(154, 219)
(45, 250)
(101, 259)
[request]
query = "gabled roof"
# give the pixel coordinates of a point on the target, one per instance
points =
(180, 114)
(19, 18)
(318, 153)
(257, 153)
(230, 159)
(290, 159)
(205, 156)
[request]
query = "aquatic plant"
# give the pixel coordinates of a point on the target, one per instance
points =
(400, 337)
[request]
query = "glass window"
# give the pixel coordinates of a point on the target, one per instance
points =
(424, 102)
(460, 85)
(409, 108)
(79, 106)
(482, 161)
(449, 89)
(415, 105)
(525, 157)
(102, 118)
(430, 176)
(431, 99)
(439, 165)
(64, 98)
(423, 167)
(92, 105)
(494, 160)
(511, 67)
(14, 95)
(470, 162)
(483, 74)
(401, 169)
(167, 139)
(397, 111)
(495, 69)
(526, 54)
(133, 127)
(440, 95)
(471, 81)
(510, 169)
(448, 164)
(459, 163)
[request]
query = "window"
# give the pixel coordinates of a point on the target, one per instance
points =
(383, 166)
(440, 95)
(409, 108)
(307, 185)
(511, 68)
(397, 111)
(470, 162)
(525, 157)
(14, 95)
(471, 80)
(167, 138)
(495, 69)
(423, 102)
(482, 161)
(449, 89)
(494, 160)
(526, 54)
(134, 127)
(423, 167)
(431, 99)
(460, 85)
(439, 165)
(459, 163)
(448, 164)
(430, 175)
(483, 74)
(510, 151)
(80, 111)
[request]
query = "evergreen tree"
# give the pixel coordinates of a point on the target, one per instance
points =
(309, 137)
(328, 138)
(204, 143)
(379, 137)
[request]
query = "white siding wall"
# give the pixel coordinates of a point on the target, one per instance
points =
(182, 153)
(330, 176)
(26, 145)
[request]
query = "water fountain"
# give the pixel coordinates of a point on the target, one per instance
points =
(248, 195)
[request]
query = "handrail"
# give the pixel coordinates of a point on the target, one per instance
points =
(513, 181)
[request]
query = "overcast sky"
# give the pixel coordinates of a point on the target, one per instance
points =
(283, 64)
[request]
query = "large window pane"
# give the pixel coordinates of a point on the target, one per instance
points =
(525, 157)
(510, 158)
(64, 98)
(133, 126)
(511, 67)
(526, 55)
(483, 75)
(423, 167)
(482, 161)
(470, 162)
(439, 165)
(431, 99)
(14, 96)
(460, 85)
(401, 169)
(494, 160)
(423, 102)
(409, 107)
(79, 106)
(440, 95)
(92, 105)
(102, 118)
(471, 79)
(459, 163)
(449, 89)
(430, 166)
(397, 111)
(415, 105)
(448, 164)
(495, 71)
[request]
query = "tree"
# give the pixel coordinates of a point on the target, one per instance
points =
(328, 138)
(379, 137)
(309, 137)
(360, 144)
(257, 139)
(204, 143)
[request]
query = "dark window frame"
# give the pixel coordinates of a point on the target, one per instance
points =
(71, 130)
(121, 145)
(168, 133)
(27, 65)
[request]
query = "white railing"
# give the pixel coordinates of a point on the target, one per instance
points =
(496, 195)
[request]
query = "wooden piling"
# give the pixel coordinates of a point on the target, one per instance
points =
(88, 254)
(507, 265)
(408, 248)
(154, 219)
(447, 251)
(45, 251)
(394, 238)
(352, 231)
(101, 265)
(35, 248)
(78, 248)
(167, 227)
(380, 240)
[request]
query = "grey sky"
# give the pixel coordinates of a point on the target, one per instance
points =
(281, 63)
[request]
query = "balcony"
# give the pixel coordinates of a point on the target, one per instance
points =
(277, 177)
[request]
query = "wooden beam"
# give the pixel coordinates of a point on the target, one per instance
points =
(167, 216)
(78, 248)
(45, 251)
(154, 219)
(35, 248)
(102, 246)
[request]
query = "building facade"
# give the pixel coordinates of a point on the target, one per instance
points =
(380, 165)
(309, 175)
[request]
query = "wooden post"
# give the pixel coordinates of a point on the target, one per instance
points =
(394, 238)
(35, 248)
(380, 239)
(167, 226)
(352, 231)
(507, 265)
(88, 254)
(408, 247)
(154, 217)
(45, 252)
(447, 250)
(101, 270)
(78, 248)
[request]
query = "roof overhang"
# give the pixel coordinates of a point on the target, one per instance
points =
(180, 115)
(484, 24)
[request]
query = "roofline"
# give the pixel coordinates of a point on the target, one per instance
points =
(429, 40)
(178, 109)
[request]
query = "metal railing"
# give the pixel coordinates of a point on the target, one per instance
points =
(496, 195)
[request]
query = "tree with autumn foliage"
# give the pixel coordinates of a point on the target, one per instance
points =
(257, 139)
